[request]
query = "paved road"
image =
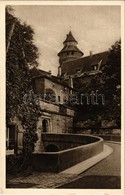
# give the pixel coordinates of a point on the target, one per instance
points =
(105, 174)
(109, 168)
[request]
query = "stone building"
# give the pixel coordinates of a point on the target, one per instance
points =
(54, 92)
(74, 65)
(70, 50)
(56, 115)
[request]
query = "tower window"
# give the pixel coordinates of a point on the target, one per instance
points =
(58, 98)
(72, 52)
(67, 53)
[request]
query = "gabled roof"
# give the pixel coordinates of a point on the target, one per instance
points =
(85, 64)
(70, 38)
(38, 72)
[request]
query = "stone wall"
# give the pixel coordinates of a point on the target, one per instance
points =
(98, 126)
(59, 90)
(62, 124)
(65, 58)
(66, 141)
(59, 161)
(40, 85)
(61, 119)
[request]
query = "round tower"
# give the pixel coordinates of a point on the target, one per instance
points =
(70, 50)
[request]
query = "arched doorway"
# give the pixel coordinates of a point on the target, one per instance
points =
(45, 125)
(51, 148)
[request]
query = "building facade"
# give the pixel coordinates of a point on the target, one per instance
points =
(54, 93)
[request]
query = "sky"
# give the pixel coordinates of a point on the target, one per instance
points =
(95, 28)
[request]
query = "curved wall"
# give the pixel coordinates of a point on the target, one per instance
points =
(66, 141)
(61, 160)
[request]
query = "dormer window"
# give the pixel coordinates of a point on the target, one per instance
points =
(78, 70)
(95, 67)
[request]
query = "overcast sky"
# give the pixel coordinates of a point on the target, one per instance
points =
(95, 28)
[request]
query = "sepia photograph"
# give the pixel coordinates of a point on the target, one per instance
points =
(63, 96)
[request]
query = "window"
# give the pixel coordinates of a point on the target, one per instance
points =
(11, 137)
(45, 125)
(50, 96)
(59, 99)
(72, 52)
(62, 109)
(78, 70)
(95, 67)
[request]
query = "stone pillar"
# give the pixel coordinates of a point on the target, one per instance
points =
(39, 145)
(51, 127)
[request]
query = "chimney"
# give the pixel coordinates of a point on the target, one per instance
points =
(50, 72)
(90, 54)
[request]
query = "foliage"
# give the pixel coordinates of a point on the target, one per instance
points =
(112, 71)
(107, 83)
(21, 56)
(111, 78)
(28, 114)
(14, 163)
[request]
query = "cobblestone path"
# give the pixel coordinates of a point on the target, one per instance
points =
(109, 166)
(41, 180)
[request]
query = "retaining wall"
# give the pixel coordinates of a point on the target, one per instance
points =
(59, 161)
(66, 141)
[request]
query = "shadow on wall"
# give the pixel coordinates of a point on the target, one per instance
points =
(52, 148)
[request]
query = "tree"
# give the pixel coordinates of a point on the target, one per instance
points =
(21, 56)
(108, 83)
(111, 78)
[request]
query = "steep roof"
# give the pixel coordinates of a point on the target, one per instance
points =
(70, 38)
(70, 48)
(38, 72)
(85, 64)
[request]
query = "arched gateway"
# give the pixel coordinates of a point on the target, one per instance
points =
(45, 126)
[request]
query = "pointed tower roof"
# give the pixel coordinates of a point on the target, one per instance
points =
(70, 38)
(68, 48)
(72, 47)
(70, 51)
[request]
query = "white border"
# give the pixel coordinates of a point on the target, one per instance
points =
(2, 103)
